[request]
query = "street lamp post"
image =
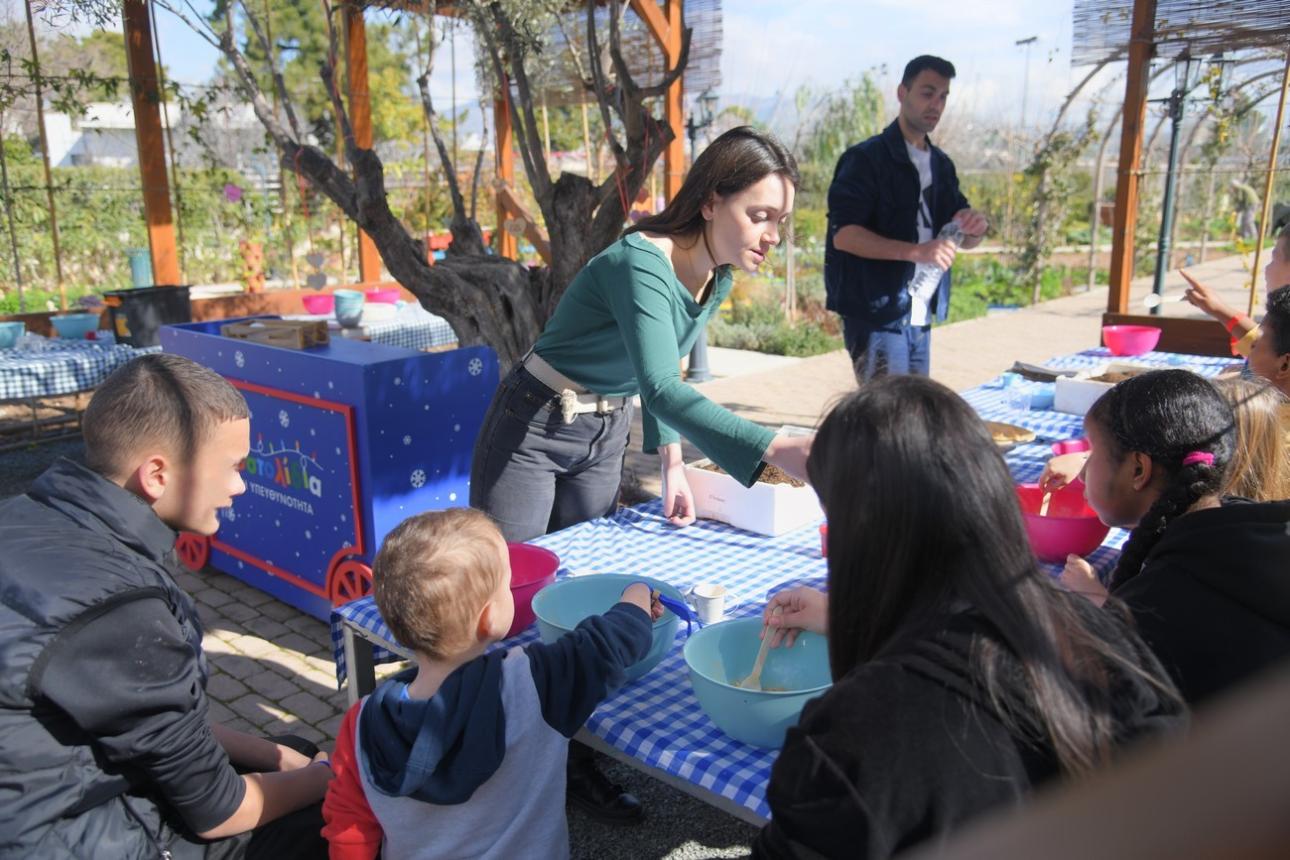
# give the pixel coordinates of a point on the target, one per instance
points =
(698, 370)
(1186, 76)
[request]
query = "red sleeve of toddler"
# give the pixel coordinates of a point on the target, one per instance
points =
(352, 831)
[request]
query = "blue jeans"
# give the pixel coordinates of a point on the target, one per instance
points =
(893, 349)
(534, 474)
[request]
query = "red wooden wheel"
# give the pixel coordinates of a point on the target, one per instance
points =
(194, 550)
(348, 580)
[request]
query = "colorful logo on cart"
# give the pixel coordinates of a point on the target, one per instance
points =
(287, 467)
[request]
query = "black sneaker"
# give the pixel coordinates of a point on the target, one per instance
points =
(593, 793)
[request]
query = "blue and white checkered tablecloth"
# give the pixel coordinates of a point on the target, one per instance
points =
(657, 720)
(65, 367)
(989, 400)
(412, 328)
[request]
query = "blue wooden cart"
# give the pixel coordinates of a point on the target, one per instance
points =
(347, 440)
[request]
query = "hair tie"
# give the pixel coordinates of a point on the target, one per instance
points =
(1203, 457)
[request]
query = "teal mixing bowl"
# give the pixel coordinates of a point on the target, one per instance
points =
(74, 326)
(10, 332)
(723, 654)
(562, 604)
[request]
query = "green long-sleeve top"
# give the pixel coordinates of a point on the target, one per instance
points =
(620, 330)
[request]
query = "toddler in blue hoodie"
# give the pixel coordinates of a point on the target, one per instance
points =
(464, 754)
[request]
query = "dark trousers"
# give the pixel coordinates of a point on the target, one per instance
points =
(534, 474)
(897, 348)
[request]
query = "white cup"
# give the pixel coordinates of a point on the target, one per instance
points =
(709, 601)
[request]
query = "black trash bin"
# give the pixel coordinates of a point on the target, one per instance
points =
(137, 315)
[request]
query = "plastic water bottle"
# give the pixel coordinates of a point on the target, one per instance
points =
(927, 276)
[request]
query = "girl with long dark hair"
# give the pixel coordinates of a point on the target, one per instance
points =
(550, 453)
(963, 675)
(1206, 577)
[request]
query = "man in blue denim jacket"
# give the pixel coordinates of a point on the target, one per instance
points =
(888, 201)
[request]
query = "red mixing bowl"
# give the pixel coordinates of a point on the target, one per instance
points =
(319, 303)
(532, 569)
(1070, 527)
(383, 295)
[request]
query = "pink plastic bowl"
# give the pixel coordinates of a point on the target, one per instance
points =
(1070, 446)
(384, 295)
(320, 303)
(1130, 339)
(532, 569)
(1071, 526)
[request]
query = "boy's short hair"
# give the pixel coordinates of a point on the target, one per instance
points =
(1276, 322)
(432, 576)
(944, 68)
(158, 399)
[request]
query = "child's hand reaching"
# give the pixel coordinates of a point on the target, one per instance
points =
(1061, 470)
(801, 608)
(1078, 576)
(1206, 299)
(639, 594)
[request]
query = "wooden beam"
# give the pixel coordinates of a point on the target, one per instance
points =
(1257, 272)
(360, 117)
(145, 97)
(507, 199)
(1141, 49)
(507, 245)
(674, 155)
(654, 19)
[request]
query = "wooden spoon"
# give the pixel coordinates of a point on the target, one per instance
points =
(1043, 505)
(753, 681)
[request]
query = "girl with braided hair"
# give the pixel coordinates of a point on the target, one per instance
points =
(1207, 578)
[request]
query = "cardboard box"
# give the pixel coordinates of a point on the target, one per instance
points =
(1077, 394)
(768, 509)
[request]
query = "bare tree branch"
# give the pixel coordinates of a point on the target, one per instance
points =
(327, 71)
(603, 89)
(479, 164)
(625, 77)
(539, 176)
(279, 83)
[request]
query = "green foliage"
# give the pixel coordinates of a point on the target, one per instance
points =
(833, 121)
(1050, 168)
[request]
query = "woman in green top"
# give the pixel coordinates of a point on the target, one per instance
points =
(550, 453)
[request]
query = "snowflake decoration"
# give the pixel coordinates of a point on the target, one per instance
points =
(418, 478)
(407, 440)
(475, 367)
(283, 418)
(239, 359)
(398, 380)
(456, 428)
(308, 535)
(452, 497)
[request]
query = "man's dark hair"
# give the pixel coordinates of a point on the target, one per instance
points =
(944, 68)
(1276, 321)
(156, 399)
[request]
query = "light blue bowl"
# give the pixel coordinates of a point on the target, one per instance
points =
(349, 307)
(74, 326)
(10, 332)
(722, 654)
(562, 604)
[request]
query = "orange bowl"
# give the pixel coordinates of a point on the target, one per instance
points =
(1071, 527)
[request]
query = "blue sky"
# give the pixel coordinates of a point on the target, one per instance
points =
(772, 45)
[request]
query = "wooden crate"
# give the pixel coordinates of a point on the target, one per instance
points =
(290, 334)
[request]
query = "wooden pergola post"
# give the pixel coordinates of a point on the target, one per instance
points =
(507, 245)
(146, 97)
(360, 117)
(1141, 49)
(665, 25)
